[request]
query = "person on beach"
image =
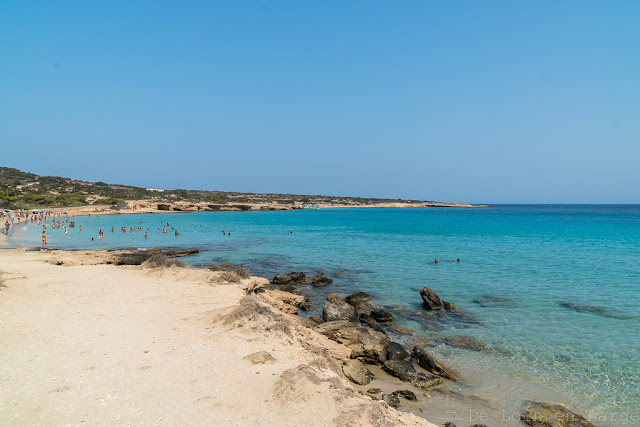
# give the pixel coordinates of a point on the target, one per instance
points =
(6, 227)
(436, 261)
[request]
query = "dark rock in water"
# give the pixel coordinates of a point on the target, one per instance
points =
(321, 280)
(431, 364)
(330, 329)
(400, 369)
(489, 300)
(407, 372)
(449, 424)
(405, 394)
(374, 390)
(479, 425)
(547, 415)
(339, 310)
(359, 299)
(397, 351)
(391, 400)
(463, 342)
(367, 320)
(295, 277)
(333, 297)
(585, 307)
(357, 372)
(366, 344)
(430, 299)
(382, 316)
(449, 306)
(306, 305)
(315, 319)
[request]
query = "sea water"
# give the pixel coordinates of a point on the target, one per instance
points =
(553, 292)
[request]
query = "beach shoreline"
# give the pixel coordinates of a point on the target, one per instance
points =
(61, 283)
(96, 343)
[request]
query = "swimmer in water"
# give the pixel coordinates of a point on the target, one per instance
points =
(177, 233)
(436, 261)
(454, 260)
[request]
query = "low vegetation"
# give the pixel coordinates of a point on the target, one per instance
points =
(160, 260)
(230, 276)
(23, 190)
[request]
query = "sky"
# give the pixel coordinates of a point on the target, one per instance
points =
(461, 101)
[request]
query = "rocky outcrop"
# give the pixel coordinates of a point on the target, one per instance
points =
(397, 351)
(321, 280)
(330, 329)
(366, 344)
(449, 306)
(382, 316)
(547, 415)
(339, 310)
(407, 372)
(292, 278)
(357, 372)
(391, 400)
(430, 299)
(431, 364)
(333, 297)
(367, 320)
(359, 299)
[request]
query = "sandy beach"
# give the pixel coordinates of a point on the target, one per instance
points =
(89, 343)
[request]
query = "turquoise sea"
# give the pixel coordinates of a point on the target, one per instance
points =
(552, 291)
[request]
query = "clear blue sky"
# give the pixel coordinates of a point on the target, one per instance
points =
(497, 102)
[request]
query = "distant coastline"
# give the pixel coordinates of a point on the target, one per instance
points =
(27, 191)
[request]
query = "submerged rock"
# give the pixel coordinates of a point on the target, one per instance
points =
(598, 310)
(357, 372)
(431, 364)
(490, 300)
(463, 341)
(397, 351)
(405, 394)
(366, 344)
(400, 331)
(359, 299)
(306, 305)
(321, 280)
(547, 415)
(430, 299)
(339, 310)
(382, 316)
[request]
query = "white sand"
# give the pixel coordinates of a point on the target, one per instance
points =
(114, 345)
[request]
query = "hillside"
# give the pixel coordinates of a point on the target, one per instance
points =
(27, 190)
